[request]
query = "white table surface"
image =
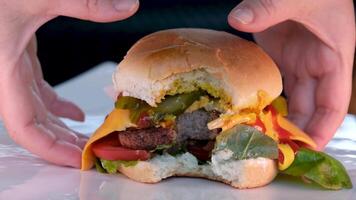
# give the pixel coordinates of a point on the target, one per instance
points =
(25, 176)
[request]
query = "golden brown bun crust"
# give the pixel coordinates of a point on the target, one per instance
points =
(243, 67)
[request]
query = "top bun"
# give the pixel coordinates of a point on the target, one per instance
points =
(238, 67)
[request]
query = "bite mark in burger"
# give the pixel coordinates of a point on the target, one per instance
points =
(204, 103)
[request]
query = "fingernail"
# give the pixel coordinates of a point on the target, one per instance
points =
(125, 5)
(243, 15)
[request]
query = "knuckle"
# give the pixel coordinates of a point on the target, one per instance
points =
(92, 6)
(270, 6)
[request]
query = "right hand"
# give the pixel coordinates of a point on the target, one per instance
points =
(313, 43)
(29, 107)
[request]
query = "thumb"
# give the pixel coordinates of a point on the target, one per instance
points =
(95, 10)
(258, 15)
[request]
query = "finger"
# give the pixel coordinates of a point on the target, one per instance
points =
(65, 133)
(95, 10)
(25, 116)
(67, 109)
(40, 140)
(32, 52)
(62, 133)
(56, 120)
(289, 81)
(57, 105)
(301, 101)
(258, 15)
(61, 153)
(330, 109)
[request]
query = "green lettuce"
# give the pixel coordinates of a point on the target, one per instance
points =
(111, 166)
(98, 166)
(246, 142)
(320, 168)
(161, 148)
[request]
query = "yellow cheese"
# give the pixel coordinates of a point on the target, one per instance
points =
(288, 155)
(117, 120)
(266, 119)
(296, 133)
(280, 104)
(229, 121)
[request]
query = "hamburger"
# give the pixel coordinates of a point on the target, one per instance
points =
(204, 103)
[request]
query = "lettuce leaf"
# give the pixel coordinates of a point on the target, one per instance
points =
(111, 166)
(320, 168)
(246, 142)
(161, 148)
(98, 166)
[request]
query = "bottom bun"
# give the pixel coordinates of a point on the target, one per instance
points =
(240, 174)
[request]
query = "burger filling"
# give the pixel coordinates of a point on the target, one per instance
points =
(188, 126)
(178, 124)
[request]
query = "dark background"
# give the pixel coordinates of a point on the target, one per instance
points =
(68, 47)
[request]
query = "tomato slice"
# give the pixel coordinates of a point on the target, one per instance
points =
(110, 150)
(282, 133)
(259, 125)
(292, 144)
(200, 153)
(280, 156)
(144, 121)
(203, 153)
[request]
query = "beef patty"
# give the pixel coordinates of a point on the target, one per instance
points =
(147, 138)
(188, 126)
(194, 125)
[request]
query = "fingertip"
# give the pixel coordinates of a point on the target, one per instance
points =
(244, 19)
(67, 109)
(259, 15)
(98, 10)
(72, 156)
(324, 124)
(241, 16)
(63, 153)
(127, 7)
(321, 142)
(78, 115)
(238, 22)
(120, 10)
(75, 112)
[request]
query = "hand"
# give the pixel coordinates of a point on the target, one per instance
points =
(28, 105)
(313, 44)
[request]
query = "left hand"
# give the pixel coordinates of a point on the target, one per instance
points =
(313, 44)
(29, 106)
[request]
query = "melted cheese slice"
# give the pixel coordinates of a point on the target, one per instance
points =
(117, 120)
(288, 155)
(266, 119)
(229, 121)
(297, 133)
